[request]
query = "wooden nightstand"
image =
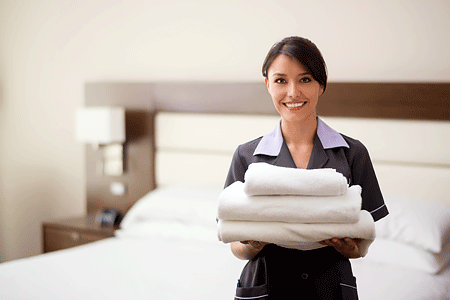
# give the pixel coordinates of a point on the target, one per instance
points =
(65, 233)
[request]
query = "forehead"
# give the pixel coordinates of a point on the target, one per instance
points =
(284, 64)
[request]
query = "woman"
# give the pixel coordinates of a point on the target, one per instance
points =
(295, 75)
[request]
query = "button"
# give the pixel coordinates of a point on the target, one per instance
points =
(75, 236)
(304, 276)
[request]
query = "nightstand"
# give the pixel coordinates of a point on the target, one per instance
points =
(66, 233)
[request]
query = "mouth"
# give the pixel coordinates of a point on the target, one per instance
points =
(295, 105)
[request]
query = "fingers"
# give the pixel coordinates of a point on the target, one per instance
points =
(346, 246)
(255, 244)
(345, 242)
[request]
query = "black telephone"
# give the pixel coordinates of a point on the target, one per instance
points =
(109, 218)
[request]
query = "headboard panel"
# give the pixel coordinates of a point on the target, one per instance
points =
(197, 148)
(417, 142)
(410, 156)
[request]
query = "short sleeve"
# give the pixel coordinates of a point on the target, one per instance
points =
(363, 174)
(237, 169)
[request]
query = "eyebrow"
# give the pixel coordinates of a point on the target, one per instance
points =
(281, 74)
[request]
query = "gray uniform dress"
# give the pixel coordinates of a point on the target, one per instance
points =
(281, 273)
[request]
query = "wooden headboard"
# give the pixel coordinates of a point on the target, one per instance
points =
(393, 101)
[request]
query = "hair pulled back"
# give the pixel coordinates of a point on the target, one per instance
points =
(302, 50)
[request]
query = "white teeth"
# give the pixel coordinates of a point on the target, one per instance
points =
(294, 105)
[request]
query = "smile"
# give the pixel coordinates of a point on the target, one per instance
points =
(294, 105)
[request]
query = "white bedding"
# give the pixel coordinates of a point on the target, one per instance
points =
(383, 281)
(164, 268)
(180, 257)
(125, 268)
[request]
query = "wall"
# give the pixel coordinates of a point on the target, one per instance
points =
(49, 49)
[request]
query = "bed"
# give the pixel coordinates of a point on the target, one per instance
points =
(167, 245)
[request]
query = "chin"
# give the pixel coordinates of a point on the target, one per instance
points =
(293, 117)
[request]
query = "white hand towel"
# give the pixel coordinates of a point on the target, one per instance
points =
(297, 235)
(235, 204)
(266, 179)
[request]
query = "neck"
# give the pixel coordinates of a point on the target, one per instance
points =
(299, 133)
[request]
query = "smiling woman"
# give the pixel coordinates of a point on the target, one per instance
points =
(294, 90)
(295, 75)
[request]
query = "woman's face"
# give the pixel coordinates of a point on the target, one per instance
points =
(293, 89)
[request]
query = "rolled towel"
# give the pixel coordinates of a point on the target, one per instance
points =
(266, 179)
(234, 204)
(297, 235)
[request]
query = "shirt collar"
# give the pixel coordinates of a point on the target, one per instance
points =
(271, 143)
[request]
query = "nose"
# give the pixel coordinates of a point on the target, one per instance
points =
(294, 90)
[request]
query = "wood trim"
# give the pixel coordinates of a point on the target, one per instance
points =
(138, 177)
(418, 101)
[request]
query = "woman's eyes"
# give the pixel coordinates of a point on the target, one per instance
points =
(280, 80)
(302, 80)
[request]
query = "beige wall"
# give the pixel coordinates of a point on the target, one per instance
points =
(49, 49)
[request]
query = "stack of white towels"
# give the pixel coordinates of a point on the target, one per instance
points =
(293, 208)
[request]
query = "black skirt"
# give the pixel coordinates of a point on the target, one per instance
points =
(281, 273)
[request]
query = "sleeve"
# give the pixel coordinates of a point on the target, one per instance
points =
(363, 174)
(237, 169)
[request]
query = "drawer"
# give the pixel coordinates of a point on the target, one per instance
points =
(57, 239)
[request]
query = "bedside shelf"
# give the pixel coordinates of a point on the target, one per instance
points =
(66, 233)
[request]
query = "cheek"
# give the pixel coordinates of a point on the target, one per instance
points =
(313, 94)
(276, 94)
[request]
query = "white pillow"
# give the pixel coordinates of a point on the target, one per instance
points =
(407, 256)
(187, 204)
(421, 223)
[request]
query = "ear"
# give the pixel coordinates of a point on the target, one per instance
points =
(321, 90)
(266, 82)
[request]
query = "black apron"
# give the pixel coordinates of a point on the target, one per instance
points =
(281, 273)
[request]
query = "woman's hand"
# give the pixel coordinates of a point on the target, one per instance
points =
(347, 246)
(255, 244)
(247, 250)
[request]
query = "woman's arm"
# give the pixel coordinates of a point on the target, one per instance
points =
(247, 250)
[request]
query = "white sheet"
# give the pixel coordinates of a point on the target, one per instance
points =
(160, 267)
(125, 268)
(387, 282)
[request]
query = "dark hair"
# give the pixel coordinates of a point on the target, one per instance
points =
(302, 50)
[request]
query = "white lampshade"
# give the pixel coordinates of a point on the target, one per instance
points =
(100, 125)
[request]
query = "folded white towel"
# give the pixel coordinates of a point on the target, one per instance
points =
(297, 235)
(235, 204)
(266, 179)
